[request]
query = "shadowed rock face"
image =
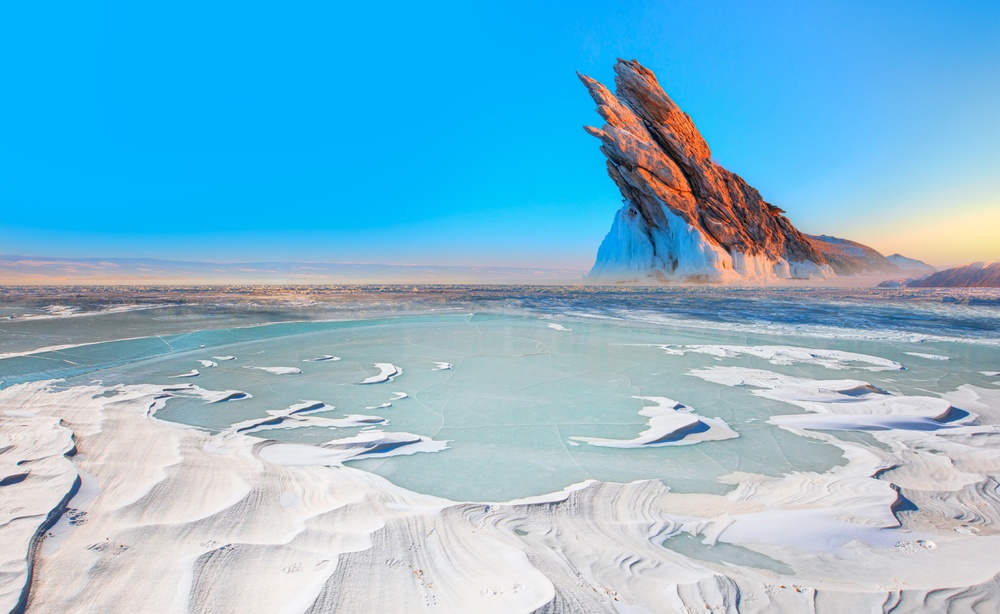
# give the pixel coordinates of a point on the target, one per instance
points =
(852, 258)
(975, 275)
(685, 217)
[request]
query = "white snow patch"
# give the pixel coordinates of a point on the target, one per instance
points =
(277, 370)
(670, 424)
(787, 355)
(368, 444)
(386, 373)
(842, 404)
(191, 373)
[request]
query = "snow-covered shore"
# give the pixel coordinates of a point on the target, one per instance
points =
(154, 516)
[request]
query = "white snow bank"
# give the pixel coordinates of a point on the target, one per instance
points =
(386, 373)
(191, 373)
(788, 355)
(844, 404)
(370, 444)
(670, 424)
(300, 416)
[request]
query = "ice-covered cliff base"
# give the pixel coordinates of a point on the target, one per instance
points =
(633, 251)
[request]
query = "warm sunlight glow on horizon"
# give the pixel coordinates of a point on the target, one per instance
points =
(940, 237)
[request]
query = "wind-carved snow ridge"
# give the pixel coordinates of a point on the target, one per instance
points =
(368, 444)
(787, 355)
(840, 404)
(386, 373)
(940, 466)
(670, 424)
(300, 416)
(209, 396)
(191, 373)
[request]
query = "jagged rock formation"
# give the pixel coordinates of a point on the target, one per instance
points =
(975, 275)
(686, 218)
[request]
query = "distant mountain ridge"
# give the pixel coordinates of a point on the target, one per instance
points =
(851, 258)
(975, 275)
(684, 217)
(43, 270)
(911, 265)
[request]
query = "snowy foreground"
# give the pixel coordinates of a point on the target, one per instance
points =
(402, 464)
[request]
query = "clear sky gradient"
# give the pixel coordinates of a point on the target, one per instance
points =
(451, 134)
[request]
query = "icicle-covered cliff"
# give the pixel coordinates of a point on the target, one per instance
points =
(685, 218)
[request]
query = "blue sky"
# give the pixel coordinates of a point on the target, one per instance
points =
(451, 134)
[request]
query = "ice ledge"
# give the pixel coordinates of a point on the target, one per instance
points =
(632, 251)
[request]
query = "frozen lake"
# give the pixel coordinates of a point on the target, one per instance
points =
(529, 391)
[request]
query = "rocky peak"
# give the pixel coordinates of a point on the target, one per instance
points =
(684, 216)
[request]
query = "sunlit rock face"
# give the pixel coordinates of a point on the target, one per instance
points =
(684, 218)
